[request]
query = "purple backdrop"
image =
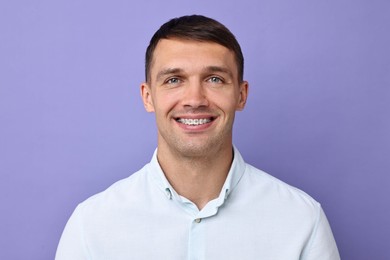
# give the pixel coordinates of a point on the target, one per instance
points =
(72, 122)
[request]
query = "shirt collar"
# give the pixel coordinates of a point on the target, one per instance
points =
(236, 171)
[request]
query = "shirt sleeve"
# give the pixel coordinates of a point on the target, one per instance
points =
(72, 245)
(322, 245)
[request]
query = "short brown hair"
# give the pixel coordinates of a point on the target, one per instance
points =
(198, 28)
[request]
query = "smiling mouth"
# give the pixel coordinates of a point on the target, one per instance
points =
(194, 122)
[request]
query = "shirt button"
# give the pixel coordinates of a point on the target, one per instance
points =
(198, 220)
(168, 193)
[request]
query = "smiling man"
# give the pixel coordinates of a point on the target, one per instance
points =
(197, 198)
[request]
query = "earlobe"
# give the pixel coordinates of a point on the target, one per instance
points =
(243, 95)
(147, 97)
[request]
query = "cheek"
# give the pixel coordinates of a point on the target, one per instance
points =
(226, 101)
(164, 102)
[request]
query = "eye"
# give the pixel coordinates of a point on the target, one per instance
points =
(172, 80)
(215, 79)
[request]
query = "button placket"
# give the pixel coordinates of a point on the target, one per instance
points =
(196, 245)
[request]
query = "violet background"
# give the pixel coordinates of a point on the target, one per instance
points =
(72, 121)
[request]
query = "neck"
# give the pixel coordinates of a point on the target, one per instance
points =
(199, 179)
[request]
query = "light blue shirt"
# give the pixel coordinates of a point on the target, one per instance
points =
(256, 216)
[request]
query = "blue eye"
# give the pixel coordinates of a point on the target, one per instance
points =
(215, 80)
(173, 81)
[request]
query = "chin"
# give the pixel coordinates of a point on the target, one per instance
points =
(197, 150)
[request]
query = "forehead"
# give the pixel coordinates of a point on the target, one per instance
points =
(190, 55)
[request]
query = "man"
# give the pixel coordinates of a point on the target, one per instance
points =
(197, 198)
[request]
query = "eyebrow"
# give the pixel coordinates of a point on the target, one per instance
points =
(167, 71)
(208, 69)
(219, 69)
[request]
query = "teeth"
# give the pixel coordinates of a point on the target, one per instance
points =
(194, 121)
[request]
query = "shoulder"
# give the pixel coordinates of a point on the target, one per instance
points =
(267, 189)
(124, 191)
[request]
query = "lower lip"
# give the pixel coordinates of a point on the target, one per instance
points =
(195, 128)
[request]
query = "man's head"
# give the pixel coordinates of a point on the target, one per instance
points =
(194, 86)
(195, 28)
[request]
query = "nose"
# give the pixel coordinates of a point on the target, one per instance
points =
(195, 95)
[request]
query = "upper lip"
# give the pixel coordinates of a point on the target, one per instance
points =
(195, 116)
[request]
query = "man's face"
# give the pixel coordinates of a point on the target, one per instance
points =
(194, 91)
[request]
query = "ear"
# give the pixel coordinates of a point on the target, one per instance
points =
(147, 97)
(243, 96)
